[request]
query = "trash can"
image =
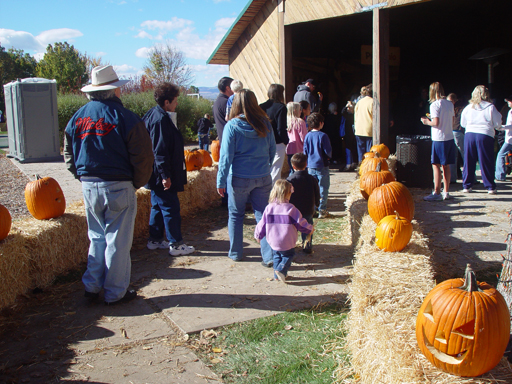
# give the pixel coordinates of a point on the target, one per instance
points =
(414, 168)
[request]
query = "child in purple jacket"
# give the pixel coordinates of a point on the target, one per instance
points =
(279, 224)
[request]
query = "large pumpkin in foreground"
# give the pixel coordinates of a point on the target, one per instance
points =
(393, 233)
(44, 198)
(463, 326)
(387, 199)
(215, 147)
(5, 222)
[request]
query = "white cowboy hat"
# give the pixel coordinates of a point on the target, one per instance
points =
(104, 78)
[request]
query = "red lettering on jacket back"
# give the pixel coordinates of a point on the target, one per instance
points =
(86, 126)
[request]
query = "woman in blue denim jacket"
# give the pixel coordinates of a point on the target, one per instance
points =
(247, 150)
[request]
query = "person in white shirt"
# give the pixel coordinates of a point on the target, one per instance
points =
(480, 118)
(444, 151)
(501, 172)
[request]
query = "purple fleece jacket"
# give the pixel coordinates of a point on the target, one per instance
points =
(279, 224)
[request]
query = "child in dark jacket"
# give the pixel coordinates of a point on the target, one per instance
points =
(306, 195)
(279, 224)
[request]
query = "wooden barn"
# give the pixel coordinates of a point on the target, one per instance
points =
(401, 46)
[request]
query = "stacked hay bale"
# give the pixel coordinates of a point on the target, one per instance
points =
(37, 251)
(386, 292)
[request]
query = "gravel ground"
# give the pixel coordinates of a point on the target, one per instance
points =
(12, 188)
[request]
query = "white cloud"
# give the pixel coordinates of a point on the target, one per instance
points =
(143, 52)
(220, 1)
(126, 70)
(170, 25)
(224, 23)
(28, 42)
(121, 3)
(144, 35)
(101, 54)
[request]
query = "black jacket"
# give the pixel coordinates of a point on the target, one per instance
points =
(306, 193)
(219, 114)
(168, 150)
(277, 114)
(204, 126)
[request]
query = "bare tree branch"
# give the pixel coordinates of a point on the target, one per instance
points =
(167, 64)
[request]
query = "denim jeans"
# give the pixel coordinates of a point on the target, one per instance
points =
(110, 208)
(240, 192)
(165, 216)
(204, 141)
(283, 261)
(501, 171)
(458, 137)
(364, 144)
(324, 182)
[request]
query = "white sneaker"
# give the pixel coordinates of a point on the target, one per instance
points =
(178, 250)
(446, 196)
(433, 197)
(467, 190)
(492, 192)
(323, 214)
(158, 244)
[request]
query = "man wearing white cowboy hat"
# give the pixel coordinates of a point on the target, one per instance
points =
(107, 147)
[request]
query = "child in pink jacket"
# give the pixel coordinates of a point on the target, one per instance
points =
(279, 224)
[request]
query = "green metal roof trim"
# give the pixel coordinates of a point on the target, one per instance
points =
(229, 31)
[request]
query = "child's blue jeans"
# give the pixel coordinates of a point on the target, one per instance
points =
(322, 175)
(283, 260)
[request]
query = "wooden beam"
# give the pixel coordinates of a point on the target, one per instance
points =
(380, 79)
(289, 86)
(282, 42)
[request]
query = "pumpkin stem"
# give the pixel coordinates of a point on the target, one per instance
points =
(38, 177)
(397, 215)
(378, 167)
(470, 283)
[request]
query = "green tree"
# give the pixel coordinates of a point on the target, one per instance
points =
(167, 64)
(193, 89)
(65, 64)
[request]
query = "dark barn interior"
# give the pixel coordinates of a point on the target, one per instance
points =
(435, 40)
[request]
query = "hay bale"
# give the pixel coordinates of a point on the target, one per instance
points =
(356, 207)
(54, 246)
(14, 267)
(200, 191)
(141, 227)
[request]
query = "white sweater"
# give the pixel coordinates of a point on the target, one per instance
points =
(481, 118)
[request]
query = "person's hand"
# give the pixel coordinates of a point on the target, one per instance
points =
(258, 240)
(424, 120)
(320, 96)
(221, 191)
(166, 183)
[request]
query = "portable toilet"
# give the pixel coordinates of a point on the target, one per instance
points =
(32, 120)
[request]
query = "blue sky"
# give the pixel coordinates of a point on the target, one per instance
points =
(122, 31)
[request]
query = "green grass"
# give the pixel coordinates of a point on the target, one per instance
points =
(293, 347)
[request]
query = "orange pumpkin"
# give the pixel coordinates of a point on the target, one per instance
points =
(373, 179)
(5, 222)
(370, 163)
(215, 150)
(207, 160)
(381, 149)
(368, 154)
(393, 233)
(194, 160)
(44, 198)
(388, 198)
(463, 326)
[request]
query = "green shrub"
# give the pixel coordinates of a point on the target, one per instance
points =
(189, 109)
(67, 105)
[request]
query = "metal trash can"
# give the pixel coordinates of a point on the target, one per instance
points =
(414, 168)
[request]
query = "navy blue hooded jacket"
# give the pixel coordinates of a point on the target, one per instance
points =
(168, 150)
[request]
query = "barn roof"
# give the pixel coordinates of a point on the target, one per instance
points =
(221, 54)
